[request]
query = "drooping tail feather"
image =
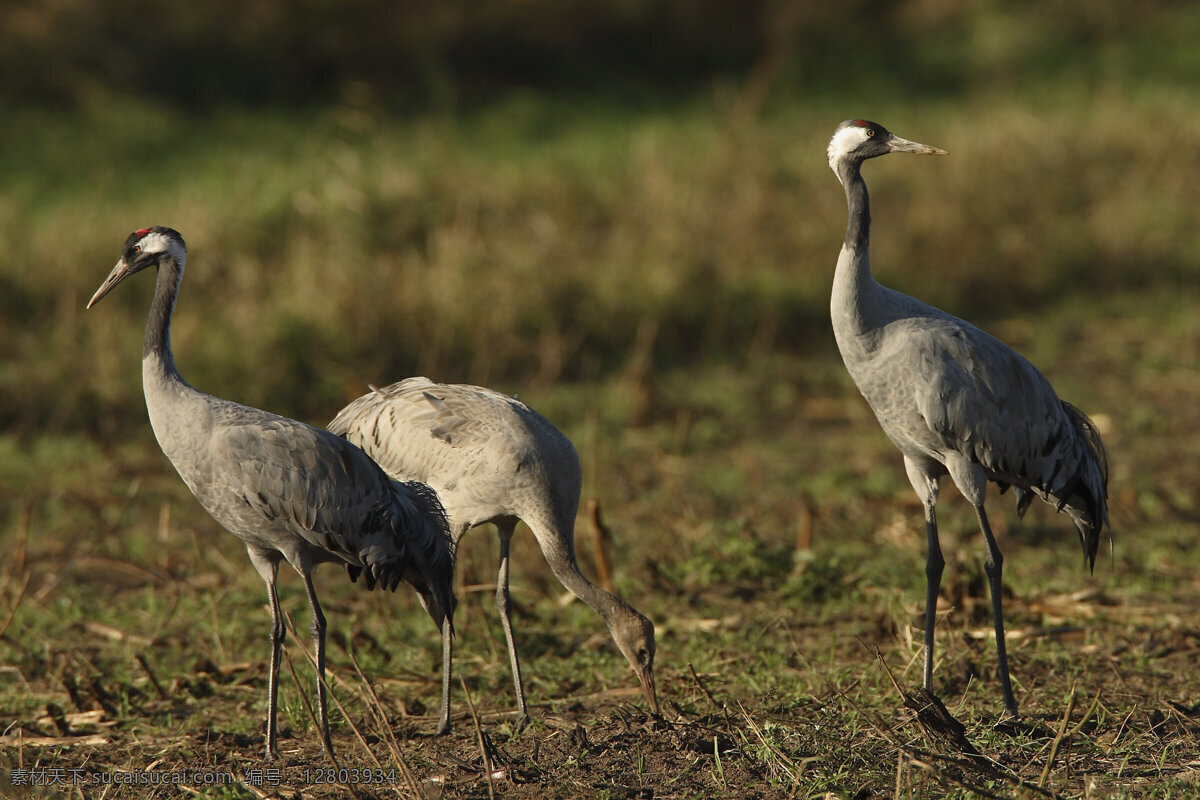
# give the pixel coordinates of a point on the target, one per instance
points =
(425, 556)
(1085, 496)
(433, 550)
(1082, 491)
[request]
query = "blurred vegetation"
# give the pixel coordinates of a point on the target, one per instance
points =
(622, 211)
(460, 53)
(522, 193)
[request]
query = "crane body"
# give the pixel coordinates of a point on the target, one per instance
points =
(492, 459)
(290, 491)
(954, 400)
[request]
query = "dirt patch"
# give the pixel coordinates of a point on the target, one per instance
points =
(856, 740)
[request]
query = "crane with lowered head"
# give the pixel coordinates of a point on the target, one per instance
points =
(493, 459)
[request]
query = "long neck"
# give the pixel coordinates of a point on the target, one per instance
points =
(858, 227)
(157, 348)
(854, 288)
(560, 555)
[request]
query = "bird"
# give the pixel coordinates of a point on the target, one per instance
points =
(290, 491)
(491, 458)
(954, 400)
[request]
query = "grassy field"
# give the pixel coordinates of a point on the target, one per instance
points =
(656, 283)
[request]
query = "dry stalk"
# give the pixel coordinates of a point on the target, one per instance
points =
(703, 689)
(487, 762)
(943, 777)
(141, 659)
(376, 707)
(12, 611)
(311, 715)
(1058, 738)
(601, 540)
(804, 529)
(925, 760)
(900, 772)
(793, 769)
(413, 785)
(708, 695)
(252, 789)
(1064, 734)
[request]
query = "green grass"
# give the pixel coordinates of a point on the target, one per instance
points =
(325, 255)
(656, 283)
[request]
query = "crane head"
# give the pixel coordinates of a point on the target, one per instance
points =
(144, 248)
(860, 139)
(634, 635)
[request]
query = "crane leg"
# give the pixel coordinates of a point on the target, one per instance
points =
(277, 631)
(504, 604)
(318, 635)
(925, 477)
(443, 727)
(934, 565)
(993, 565)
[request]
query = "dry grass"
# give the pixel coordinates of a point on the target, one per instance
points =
(359, 248)
(656, 286)
(149, 633)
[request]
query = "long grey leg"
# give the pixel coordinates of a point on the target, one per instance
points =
(277, 631)
(444, 724)
(504, 604)
(993, 565)
(443, 727)
(318, 634)
(267, 564)
(924, 478)
(934, 565)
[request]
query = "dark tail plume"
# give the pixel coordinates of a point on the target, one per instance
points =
(1085, 495)
(433, 552)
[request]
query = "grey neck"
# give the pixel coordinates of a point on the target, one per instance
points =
(853, 304)
(157, 346)
(858, 227)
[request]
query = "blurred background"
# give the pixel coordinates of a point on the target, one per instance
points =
(525, 193)
(621, 211)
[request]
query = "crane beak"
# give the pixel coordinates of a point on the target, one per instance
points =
(646, 679)
(898, 145)
(119, 273)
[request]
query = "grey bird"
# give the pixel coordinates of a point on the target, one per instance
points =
(954, 400)
(289, 491)
(493, 459)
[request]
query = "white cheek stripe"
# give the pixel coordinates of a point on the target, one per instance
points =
(154, 242)
(844, 141)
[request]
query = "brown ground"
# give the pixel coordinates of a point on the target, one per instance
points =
(848, 737)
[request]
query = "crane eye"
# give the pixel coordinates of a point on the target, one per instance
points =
(137, 248)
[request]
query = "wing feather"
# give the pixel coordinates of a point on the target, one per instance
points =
(983, 400)
(319, 489)
(438, 433)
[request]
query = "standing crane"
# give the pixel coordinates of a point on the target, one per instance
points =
(954, 400)
(493, 459)
(290, 491)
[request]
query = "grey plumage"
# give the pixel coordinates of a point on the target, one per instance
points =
(288, 490)
(954, 400)
(493, 459)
